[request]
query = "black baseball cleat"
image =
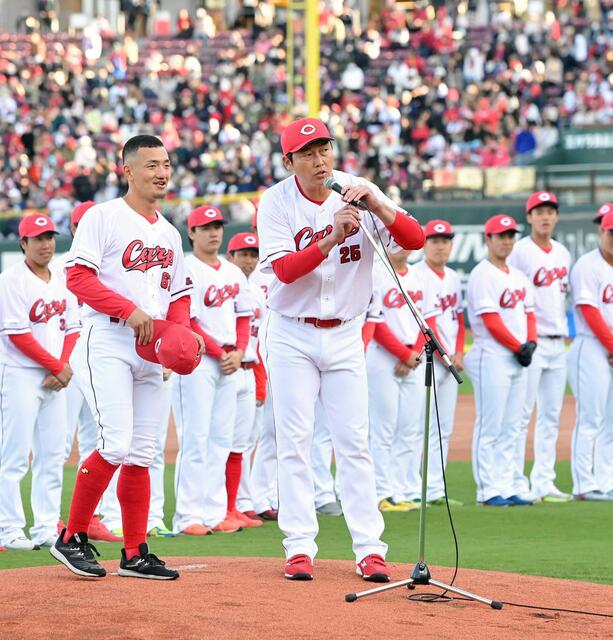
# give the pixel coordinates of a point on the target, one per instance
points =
(146, 565)
(78, 555)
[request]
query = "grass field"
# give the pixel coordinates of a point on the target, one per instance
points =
(571, 540)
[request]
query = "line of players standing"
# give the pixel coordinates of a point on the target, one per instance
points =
(516, 303)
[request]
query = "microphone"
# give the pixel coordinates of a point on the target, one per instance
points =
(331, 183)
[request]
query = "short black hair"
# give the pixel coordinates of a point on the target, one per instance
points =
(143, 141)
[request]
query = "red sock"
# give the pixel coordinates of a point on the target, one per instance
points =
(134, 493)
(93, 478)
(234, 466)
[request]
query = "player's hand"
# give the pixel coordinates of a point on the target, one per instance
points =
(458, 361)
(413, 360)
(401, 370)
(525, 352)
(345, 221)
(363, 192)
(259, 403)
(64, 376)
(166, 374)
(200, 341)
(142, 324)
(52, 383)
(230, 362)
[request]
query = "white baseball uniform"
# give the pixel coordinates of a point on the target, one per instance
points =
(499, 381)
(305, 362)
(548, 271)
(448, 288)
(591, 378)
(396, 403)
(204, 402)
(144, 263)
(32, 419)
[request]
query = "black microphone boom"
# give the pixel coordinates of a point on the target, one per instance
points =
(331, 183)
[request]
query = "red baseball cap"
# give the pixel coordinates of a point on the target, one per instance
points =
(602, 211)
(302, 132)
(243, 241)
(606, 224)
(173, 346)
(539, 198)
(438, 228)
(499, 224)
(79, 211)
(204, 215)
(35, 225)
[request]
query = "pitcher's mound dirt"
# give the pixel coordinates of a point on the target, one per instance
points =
(227, 598)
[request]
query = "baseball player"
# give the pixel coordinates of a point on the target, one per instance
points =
(78, 412)
(311, 340)
(501, 313)
(126, 264)
(546, 264)
(449, 329)
(590, 369)
(602, 210)
(204, 403)
(38, 328)
(396, 390)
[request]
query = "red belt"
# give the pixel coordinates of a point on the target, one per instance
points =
(247, 365)
(116, 320)
(323, 324)
(228, 347)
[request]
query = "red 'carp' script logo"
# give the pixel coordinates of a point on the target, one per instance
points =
(546, 277)
(42, 311)
(448, 301)
(509, 299)
(138, 257)
(306, 236)
(394, 299)
(215, 297)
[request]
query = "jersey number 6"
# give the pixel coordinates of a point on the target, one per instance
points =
(165, 281)
(350, 253)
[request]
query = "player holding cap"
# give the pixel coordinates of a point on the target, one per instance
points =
(311, 341)
(546, 264)
(449, 328)
(38, 329)
(590, 369)
(501, 313)
(204, 403)
(126, 264)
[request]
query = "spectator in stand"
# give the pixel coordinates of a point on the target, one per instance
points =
(185, 25)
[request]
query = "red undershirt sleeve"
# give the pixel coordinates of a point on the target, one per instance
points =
(407, 232)
(531, 320)
(179, 310)
(494, 324)
(243, 331)
(597, 324)
(459, 341)
(296, 265)
(68, 346)
(211, 346)
(260, 380)
(384, 336)
(368, 331)
(85, 284)
(30, 347)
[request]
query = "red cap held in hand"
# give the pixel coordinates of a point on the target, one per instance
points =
(35, 225)
(302, 132)
(499, 224)
(173, 346)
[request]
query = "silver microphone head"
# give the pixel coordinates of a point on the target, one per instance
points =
(329, 182)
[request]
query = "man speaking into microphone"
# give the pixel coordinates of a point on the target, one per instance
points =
(310, 237)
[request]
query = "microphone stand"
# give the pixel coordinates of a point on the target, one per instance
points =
(421, 573)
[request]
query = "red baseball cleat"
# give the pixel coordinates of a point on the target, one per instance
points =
(269, 514)
(229, 525)
(253, 515)
(98, 531)
(244, 519)
(299, 567)
(373, 569)
(196, 530)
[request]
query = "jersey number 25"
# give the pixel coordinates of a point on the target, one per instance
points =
(350, 253)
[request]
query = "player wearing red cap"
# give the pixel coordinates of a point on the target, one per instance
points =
(501, 314)
(312, 343)
(546, 264)
(449, 328)
(126, 264)
(590, 369)
(39, 323)
(204, 402)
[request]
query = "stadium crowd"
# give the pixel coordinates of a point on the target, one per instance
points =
(410, 92)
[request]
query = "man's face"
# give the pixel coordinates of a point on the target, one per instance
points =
(245, 259)
(148, 172)
(500, 245)
(543, 219)
(40, 249)
(207, 238)
(437, 249)
(313, 163)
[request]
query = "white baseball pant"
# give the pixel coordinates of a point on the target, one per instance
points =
(32, 419)
(396, 425)
(591, 379)
(204, 406)
(321, 456)
(264, 492)
(245, 433)
(499, 383)
(304, 362)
